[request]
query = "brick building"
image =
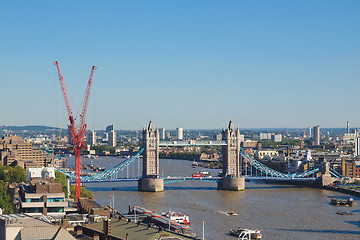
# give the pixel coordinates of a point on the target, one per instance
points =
(15, 151)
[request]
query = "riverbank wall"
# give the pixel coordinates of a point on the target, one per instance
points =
(347, 190)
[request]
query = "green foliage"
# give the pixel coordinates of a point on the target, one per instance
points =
(5, 202)
(286, 141)
(84, 192)
(61, 178)
(102, 148)
(12, 174)
(182, 155)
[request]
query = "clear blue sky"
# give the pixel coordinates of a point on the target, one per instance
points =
(190, 64)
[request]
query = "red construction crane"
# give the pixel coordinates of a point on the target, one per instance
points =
(77, 133)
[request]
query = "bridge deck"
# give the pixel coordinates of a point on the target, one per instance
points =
(209, 179)
(192, 143)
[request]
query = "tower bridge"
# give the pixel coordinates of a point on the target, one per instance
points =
(230, 179)
(232, 156)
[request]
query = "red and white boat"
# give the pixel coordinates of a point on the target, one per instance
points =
(178, 217)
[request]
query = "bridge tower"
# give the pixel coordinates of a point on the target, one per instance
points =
(150, 181)
(325, 176)
(231, 179)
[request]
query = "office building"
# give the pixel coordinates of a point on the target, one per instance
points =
(109, 128)
(308, 132)
(316, 134)
(91, 139)
(180, 133)
(112, 138)
(15, 151)
(357, 146)
(348, 127)
(162, 133)
(42, 195)
(263, 136)
(276, 137)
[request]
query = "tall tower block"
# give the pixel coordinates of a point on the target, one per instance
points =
(150, 181)
(231, 179)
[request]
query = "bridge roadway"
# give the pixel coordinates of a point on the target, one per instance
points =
(170, 179)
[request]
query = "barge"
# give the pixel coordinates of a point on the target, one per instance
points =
(341, 202)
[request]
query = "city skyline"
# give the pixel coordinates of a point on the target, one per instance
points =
(186, 64)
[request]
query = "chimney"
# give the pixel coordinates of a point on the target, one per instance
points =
(106, 227)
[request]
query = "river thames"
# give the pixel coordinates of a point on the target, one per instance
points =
(279, 211)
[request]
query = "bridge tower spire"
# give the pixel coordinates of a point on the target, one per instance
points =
(150, 181)
(231, 179)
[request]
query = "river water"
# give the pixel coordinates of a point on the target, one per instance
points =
(280, 211)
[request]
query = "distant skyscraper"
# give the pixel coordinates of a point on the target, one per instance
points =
(348, 127)
(109, 128)
(162, 133)
(180, 133)
(308, 132)
(276, 137)
(316, 133)
(263, 136)
(92, 138)
(357, 146)
(112, 138)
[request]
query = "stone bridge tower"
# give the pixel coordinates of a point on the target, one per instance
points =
(231, 179)
(150, 141)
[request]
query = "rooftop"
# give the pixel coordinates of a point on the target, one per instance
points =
(120, 228)
(16, 220)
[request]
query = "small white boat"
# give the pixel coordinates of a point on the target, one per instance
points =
(231, 213)
(205, 173)
(177, 217)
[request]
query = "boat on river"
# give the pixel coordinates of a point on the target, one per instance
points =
(204, 173)
(246, 234)
(231, 213)
(341, 202)
(177, 217)
(344, 213)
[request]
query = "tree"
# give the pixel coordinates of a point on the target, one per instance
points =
(61, 178)
(4, 173)
(84, 192)
(12, 174)
(18, 174)
(5, 202)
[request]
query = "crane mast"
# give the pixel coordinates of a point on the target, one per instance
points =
(77, 134)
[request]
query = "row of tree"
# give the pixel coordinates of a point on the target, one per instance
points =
(9, 175)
